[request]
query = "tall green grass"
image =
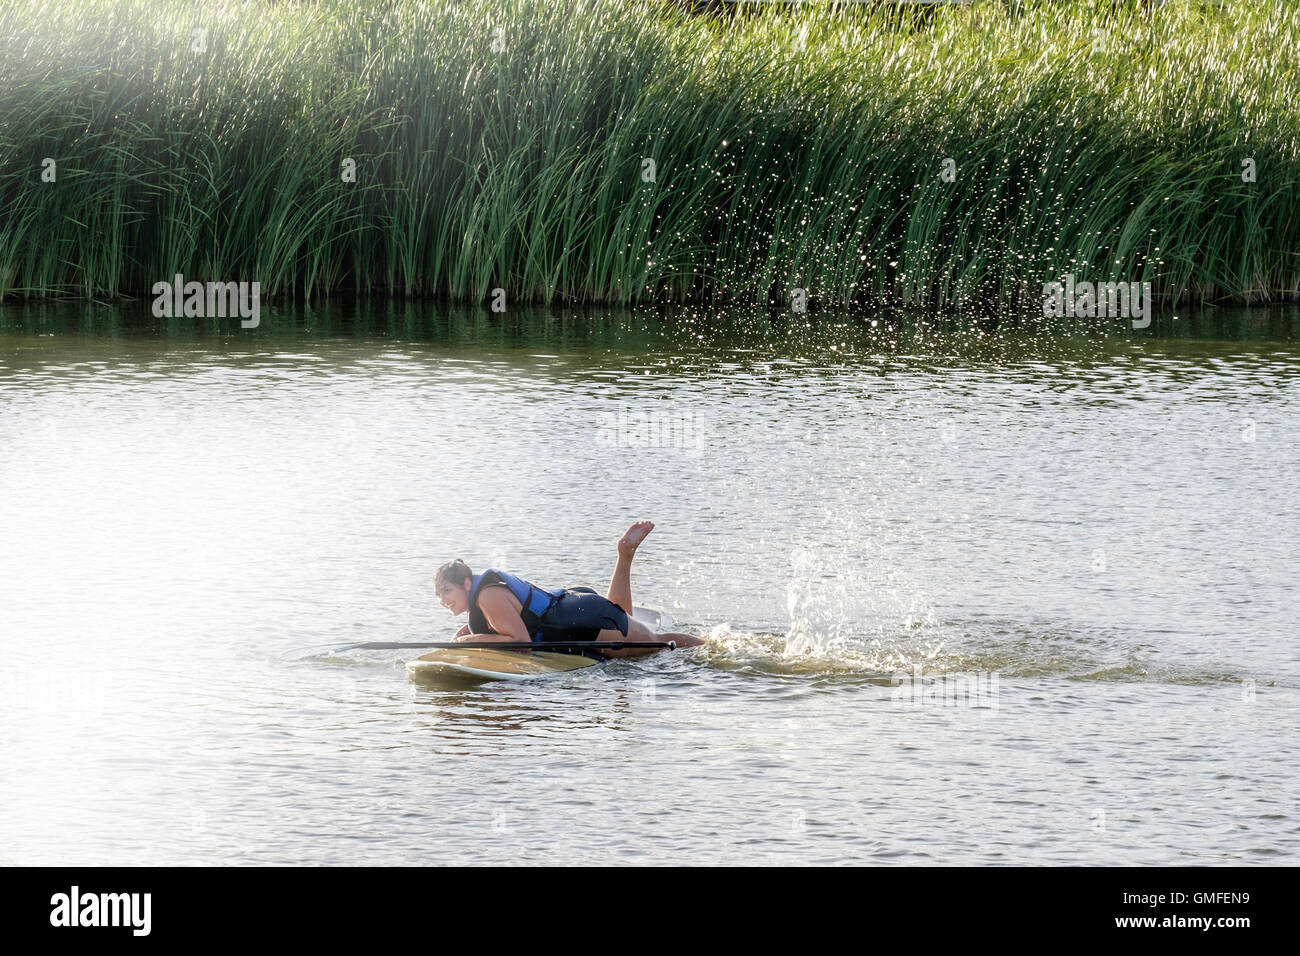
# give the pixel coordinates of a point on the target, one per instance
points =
(795, 147)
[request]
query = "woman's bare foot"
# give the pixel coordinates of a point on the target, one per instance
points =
(634, 535)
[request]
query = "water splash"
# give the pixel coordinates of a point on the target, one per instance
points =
(846, 605)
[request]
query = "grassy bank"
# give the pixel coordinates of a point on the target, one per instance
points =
(795, 148)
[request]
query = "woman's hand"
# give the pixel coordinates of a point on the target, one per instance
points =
(489, 638)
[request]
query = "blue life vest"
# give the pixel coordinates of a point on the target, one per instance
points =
(533, 601)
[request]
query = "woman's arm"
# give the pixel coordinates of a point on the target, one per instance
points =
(501, 616)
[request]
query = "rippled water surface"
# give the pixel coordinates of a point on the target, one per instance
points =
(1080, 549)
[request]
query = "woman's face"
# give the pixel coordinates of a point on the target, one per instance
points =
(454, 597)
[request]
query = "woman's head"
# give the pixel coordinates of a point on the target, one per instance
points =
(451, 584)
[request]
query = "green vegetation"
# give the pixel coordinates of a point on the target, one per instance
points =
(794, 147)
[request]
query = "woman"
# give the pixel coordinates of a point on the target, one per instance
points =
(503, 607)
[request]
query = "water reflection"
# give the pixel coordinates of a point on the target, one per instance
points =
(1100, 518)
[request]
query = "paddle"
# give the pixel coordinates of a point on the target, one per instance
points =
(491, 645)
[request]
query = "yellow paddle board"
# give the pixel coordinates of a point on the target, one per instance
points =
(488, 664)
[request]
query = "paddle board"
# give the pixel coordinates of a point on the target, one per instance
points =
(488, 664)
(496, 665)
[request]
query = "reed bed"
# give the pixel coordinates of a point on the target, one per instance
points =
(503, 144)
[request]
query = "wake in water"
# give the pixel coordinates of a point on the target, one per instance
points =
(1008, 649)
(872, 621)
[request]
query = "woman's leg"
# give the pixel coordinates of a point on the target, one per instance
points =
(636, 631)
(620, 585)
(682, 640)
(620, 593)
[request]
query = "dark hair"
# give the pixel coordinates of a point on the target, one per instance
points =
(453, 572)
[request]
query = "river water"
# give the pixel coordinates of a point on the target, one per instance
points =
(974, 594)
